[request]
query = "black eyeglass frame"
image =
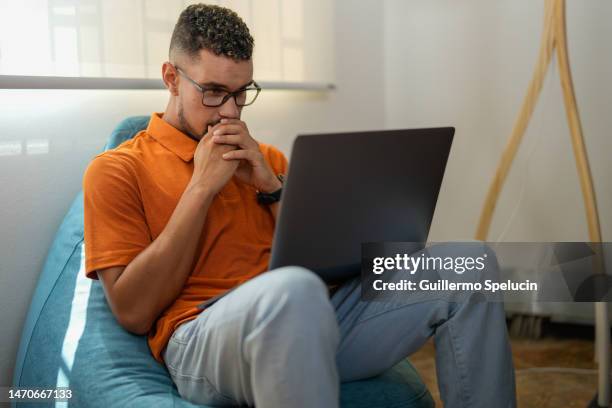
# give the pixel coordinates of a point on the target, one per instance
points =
(228, 95)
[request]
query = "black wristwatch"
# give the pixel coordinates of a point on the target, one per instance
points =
(273, 197)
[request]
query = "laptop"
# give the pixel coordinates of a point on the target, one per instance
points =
(343, 189)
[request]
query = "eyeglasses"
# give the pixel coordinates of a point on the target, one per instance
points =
(215, 97)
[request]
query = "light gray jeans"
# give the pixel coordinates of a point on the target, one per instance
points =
(279, 341)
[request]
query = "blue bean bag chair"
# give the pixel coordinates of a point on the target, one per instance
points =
(71, 338)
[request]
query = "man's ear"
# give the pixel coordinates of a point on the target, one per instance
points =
(170, 77)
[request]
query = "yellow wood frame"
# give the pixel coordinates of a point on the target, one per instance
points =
(554, 37)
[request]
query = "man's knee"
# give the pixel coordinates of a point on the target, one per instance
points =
(295, 290)
(293, 300)
(295, 280)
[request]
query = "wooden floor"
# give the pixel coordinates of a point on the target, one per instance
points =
(538, 388)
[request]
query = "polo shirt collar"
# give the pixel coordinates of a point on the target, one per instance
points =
(171, 138)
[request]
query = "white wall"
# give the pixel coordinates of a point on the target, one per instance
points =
(468, 64)
(37, 189)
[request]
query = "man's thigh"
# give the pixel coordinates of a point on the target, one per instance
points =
(205, 352)
(211, 357)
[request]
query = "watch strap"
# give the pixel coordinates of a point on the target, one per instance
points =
(273, 197)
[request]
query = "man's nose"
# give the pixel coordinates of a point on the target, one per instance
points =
(229, 109)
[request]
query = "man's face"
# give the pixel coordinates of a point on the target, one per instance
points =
(210, 71)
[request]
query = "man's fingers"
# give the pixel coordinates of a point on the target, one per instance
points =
(228, 129)
(249, 155)
(233, 121)
(229, 139)
(238, 138)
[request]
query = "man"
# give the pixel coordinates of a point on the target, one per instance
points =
(185, 211)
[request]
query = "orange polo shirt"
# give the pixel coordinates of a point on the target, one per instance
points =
(131, 191)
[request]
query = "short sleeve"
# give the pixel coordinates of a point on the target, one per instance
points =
(276, 158)
(116, 230)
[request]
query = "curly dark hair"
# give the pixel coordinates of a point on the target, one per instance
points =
(217, 29)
